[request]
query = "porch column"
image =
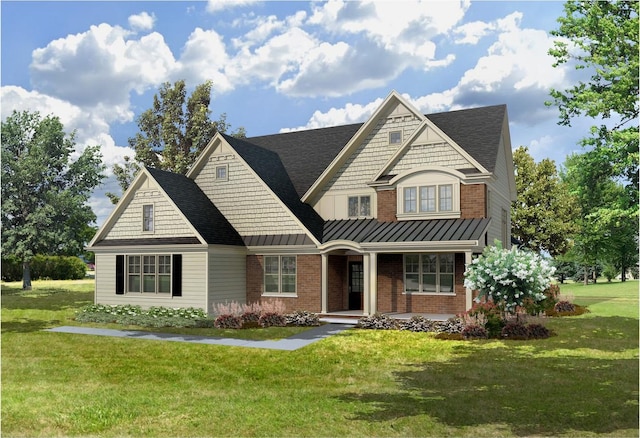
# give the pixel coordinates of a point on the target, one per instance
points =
(373, 282)
(469, 292)
(366, 295)
(324, 283)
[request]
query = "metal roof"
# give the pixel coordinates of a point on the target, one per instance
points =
(433, 230)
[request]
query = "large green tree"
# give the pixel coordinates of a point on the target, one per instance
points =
(544, 214)
(173, 132)
(601, 39)
(44, 191)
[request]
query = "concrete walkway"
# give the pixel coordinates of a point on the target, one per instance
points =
(289, 344)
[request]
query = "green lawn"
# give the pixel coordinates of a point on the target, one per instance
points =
(583, 382)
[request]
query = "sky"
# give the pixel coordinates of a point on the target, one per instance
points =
(282, 65)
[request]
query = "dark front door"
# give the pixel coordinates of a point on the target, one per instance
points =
(356, 285)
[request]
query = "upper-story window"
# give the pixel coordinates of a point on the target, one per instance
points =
(222, 172)
(428, 194)
(359, 206)
(395, 137)
(428, 199)
(147, 217)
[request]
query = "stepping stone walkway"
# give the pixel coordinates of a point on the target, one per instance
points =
(289, 344)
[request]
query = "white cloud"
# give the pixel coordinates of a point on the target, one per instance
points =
(472, 32)
(142, 21)
(219, 5)
(351, 113)
(204, 58)
(101, 67)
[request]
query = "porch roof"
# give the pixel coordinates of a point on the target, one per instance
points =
(434, 230)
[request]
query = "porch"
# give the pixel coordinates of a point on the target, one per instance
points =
(352, 316)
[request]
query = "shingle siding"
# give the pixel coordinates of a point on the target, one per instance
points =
(438, 154)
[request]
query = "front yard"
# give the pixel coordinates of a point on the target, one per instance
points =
(583, 382)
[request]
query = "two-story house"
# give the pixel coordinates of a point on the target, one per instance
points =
(380, 216)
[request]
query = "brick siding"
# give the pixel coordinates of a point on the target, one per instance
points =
(387, 206)
(473, 201)
(391, 296)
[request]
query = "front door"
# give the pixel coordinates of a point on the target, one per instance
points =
(356, 285)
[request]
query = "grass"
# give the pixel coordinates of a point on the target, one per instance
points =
(583, 382)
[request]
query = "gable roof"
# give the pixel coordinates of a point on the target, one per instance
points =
(307, 154)
(269, 167)
(197, 208)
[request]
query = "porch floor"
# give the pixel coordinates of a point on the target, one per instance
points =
(352, 316)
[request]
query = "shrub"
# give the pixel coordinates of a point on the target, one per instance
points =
(250, 317)
(564, 306)
(451, 325)
(11, 268)
(417, 323)
(272, 319)
(493, 320)
(228, 322)
(508, 277)
(45, 267)
(538, 331)
(128, 314)
(515, 330)
(302, 318)
(378, 321)
(474, 331)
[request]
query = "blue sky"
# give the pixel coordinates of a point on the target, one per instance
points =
(286, 65)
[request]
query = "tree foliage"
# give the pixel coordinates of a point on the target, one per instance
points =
(601, 38)
(45, 191)
(543, 217)
(173, 132)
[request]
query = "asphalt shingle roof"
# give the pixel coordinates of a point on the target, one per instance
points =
(197, 208)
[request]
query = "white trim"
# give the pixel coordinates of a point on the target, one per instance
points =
(392, 99)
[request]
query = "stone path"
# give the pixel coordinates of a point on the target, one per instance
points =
(289, 344)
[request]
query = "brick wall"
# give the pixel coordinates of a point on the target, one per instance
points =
(473, 201)
(309, 270)
(387, 205)
(392, 299)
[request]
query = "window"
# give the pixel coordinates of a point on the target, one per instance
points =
(147, 217)
(280, 274)
(359, 206)
(429, 273)
(395, 137)
(221, 173)
(149, 274)
(410, 200)
(424, 198)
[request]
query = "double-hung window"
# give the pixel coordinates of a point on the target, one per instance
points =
(428, 199)
(429, 273)
(359, 206)
(149, 274)
(280, 274)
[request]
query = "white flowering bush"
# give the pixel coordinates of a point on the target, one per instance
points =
(509, 277)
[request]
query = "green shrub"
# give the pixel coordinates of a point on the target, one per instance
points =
(11, 268)
(44, 267)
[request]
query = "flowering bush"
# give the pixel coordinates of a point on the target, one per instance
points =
(509, 277)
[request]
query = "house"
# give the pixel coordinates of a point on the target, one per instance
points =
(380, 216)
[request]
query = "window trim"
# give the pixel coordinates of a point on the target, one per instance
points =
(280, 275)
(403, 213)
(395, 131)
(141, 274)
(421, 272)
(226, 172)
(359, 207)
(145, 225)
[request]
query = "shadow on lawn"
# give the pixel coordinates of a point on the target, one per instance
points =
(26, 325)
(532, 388)
(44, 299)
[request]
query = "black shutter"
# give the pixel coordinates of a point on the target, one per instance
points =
(120, 274)
(176, 278)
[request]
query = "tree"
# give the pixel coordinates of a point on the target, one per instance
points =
(602, 39)
(45, 192)
(173, 132)
(543, 217)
